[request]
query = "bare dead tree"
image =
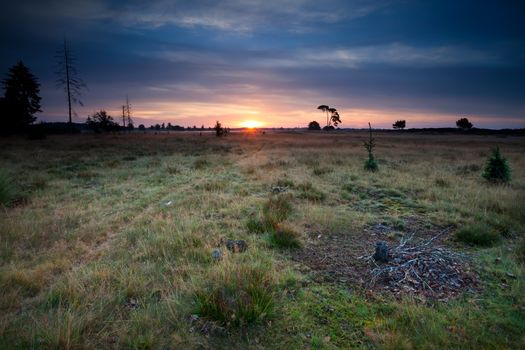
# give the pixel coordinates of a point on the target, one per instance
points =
(68, 77)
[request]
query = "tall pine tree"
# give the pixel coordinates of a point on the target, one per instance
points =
(21, 99)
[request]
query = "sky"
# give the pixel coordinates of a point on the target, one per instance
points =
(273, 62)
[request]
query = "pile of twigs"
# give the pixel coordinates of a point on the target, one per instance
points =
(424, 268)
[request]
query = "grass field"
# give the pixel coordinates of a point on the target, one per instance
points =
(106, 241)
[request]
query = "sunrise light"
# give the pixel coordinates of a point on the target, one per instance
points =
(251, 124)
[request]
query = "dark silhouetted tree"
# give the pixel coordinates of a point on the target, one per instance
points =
(142, 127)
(400, 124)
(332, 116)
(464, 124)
(68, 78)
(325, 108)
(313, 125)
(21, 98)
(101, 121)
(335, 118)
(219, 130)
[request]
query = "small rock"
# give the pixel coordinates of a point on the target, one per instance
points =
(510, 275)
(278, 189)
(131, 304)
(236, 245)
(168, 203)
(216, 254)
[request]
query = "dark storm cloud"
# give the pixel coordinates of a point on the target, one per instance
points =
(434, 57)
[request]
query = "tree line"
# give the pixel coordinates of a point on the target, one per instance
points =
(333, 119)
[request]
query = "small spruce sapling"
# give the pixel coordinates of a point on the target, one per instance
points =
(497, 168)
(370, 163)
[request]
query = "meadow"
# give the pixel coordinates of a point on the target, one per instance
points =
(108, 241)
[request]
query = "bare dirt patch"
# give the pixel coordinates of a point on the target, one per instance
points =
(419, 263)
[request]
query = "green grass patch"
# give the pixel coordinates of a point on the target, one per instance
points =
(520, 252)
(285, 182)
(311, 193)
(8, 190)
(320, 170)
(477, 234)
(237, 295)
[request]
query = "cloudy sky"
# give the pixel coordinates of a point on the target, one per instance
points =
(194, 62)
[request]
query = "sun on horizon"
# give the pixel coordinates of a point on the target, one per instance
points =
(251, 124)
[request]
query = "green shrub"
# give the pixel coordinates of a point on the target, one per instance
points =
(7, 190)
(237, 295)
(477, 234)
(284, 237)
(497, 168)
(371, 163)
(308, 191)
(277, 209)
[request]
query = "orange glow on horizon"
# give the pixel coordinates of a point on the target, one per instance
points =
(254, 114)
(251, 124)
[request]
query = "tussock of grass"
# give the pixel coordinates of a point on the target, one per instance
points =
(25, 283)
(441, 182)
(285, 182)
(477, 234)
(212, 186)
(284, 237)
(255, 225)
(309, 192)
(237, 295)
(520, 252)
(201, 163)
(7, 189)
(277, 209)
(319, 170)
